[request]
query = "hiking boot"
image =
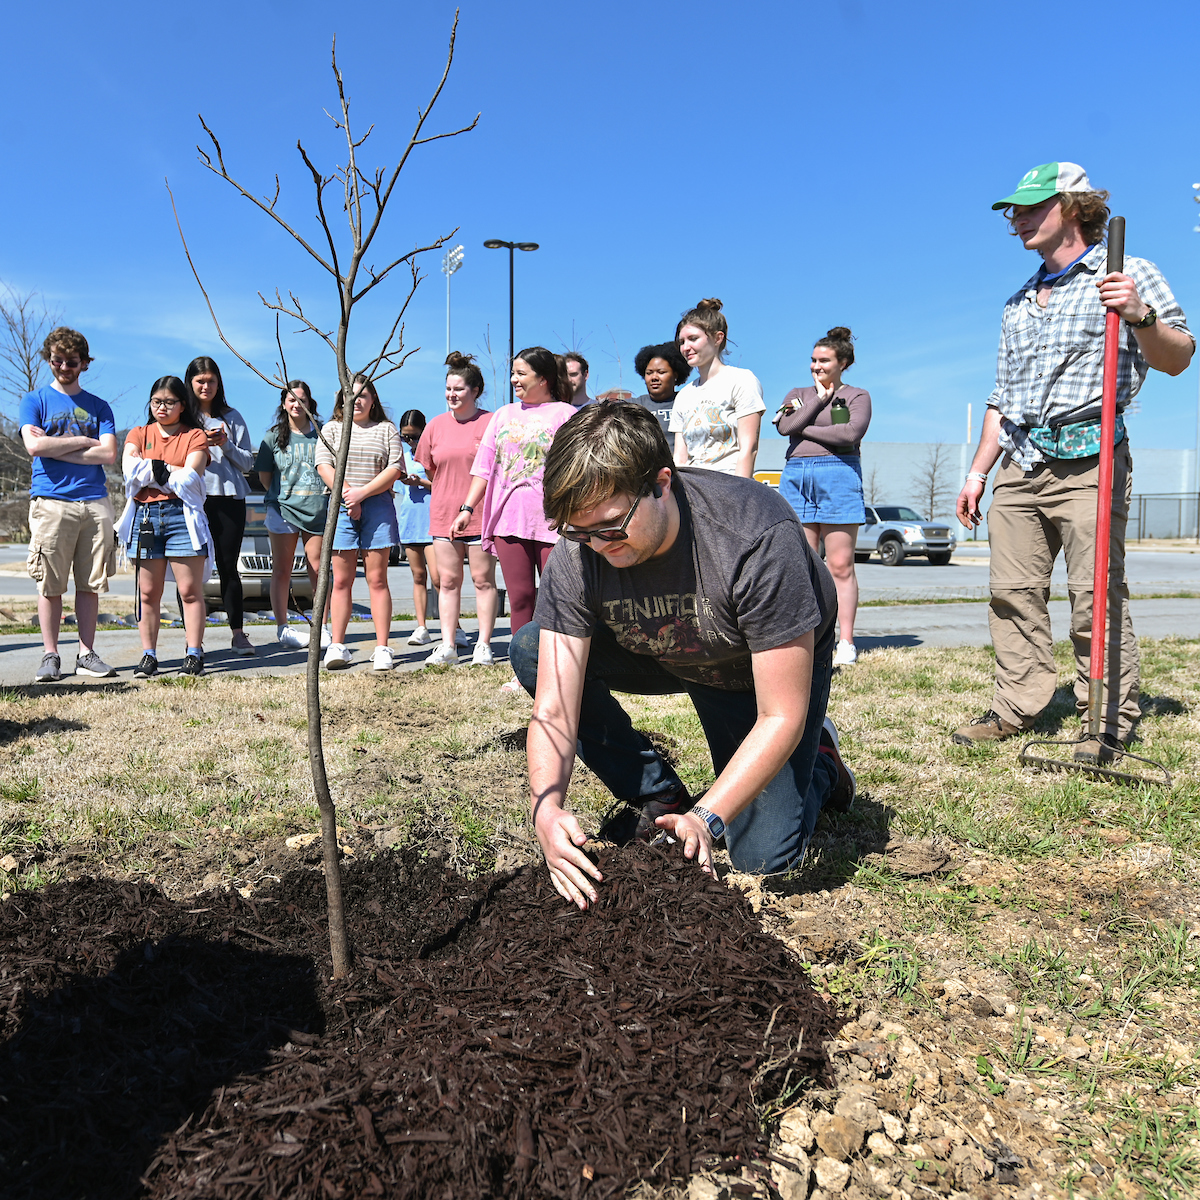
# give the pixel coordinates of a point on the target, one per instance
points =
(92, 664)
(242, 646)
(841, 797)
(50, 671)
(678, 802)
(147, 668)
(193, 664)
(991, 727)
(1098, 751)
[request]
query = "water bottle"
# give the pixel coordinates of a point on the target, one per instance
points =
(839, 412)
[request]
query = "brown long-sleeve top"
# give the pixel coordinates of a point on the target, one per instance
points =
(812, 433)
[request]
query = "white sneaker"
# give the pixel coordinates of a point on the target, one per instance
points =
(513, 687)
(382, 659)
(337, 657)
(482, 655)
(419, 637)
(326, 637)
(293, 639)
(460, 638)
(442, 656)
(845, 655)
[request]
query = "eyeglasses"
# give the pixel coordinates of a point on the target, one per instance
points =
(410, 437)
(615, 534)
(70, 363)
(164, 403)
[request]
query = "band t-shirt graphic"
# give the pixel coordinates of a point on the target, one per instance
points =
(747, 583)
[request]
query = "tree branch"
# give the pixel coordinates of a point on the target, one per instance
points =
(211, 312)
(269, 209)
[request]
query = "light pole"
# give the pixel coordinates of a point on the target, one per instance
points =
(451, 261)
(498, 244)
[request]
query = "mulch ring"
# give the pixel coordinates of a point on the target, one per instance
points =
(492, 1041)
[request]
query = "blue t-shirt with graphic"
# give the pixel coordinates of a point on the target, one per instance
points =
(57, 415)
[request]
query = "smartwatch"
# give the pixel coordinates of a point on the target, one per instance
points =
(466, 508)
(715, 825)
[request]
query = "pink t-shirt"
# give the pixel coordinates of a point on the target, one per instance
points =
(446, 450)
(511, 458)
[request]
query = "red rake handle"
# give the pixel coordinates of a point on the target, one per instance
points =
(1104, 488)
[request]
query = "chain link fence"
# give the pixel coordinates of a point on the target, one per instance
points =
(1164, 516)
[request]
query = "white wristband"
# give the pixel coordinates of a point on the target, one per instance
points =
(981, 476)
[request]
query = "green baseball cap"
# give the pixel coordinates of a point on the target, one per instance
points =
(1045, 181)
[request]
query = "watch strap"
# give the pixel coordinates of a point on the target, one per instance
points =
(715, 825)
(1148, 320)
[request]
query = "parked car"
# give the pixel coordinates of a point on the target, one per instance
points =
(254, 565)
(895, 532)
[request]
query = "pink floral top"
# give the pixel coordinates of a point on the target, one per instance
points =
(511, 458)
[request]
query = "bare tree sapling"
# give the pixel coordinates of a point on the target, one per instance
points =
(364, 200)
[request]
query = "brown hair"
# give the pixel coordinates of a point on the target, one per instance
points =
(69, 341)
(1090, 209)
(283, 426)
(550, 367)
(841, 341)
(376, 413)
(602, 450)
(463, 365)
(575, 356)
(707, 316)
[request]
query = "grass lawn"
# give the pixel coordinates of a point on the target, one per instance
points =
(1022, 945)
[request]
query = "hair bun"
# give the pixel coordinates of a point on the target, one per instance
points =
(711, 305)
(456, 360)
(839, 333)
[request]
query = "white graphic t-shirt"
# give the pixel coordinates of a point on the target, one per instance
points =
(707, 415)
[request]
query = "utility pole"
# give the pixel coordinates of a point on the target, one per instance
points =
(451, 261)
(500, 244)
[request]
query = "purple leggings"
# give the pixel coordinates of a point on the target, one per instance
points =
(520, 559)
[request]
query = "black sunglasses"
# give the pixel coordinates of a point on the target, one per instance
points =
(615, 534)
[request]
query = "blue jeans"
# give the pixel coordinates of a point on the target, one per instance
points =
(768, 836)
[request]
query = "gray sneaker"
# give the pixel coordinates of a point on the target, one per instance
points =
(50, 671)
(92, 664)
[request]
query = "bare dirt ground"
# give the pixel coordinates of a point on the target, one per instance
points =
(1015, 954)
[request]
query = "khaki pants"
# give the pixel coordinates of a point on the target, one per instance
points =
(1032, 517)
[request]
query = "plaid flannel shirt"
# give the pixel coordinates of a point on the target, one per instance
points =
(1051, 362)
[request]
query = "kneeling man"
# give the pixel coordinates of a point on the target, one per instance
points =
(671, 579)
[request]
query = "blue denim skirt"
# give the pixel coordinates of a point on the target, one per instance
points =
(171, 537)
(375, 529)
(825, 490)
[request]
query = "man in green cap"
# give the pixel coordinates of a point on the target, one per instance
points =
(1042, 425)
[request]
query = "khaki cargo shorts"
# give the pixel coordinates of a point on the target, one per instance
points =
(71, 536)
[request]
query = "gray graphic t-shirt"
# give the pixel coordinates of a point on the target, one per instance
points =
(739, 579)
(297, 492)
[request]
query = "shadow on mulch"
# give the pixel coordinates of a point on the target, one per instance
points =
(492, 1040)
(100, 1065)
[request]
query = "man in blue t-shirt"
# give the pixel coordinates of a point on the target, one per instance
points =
(71, 437)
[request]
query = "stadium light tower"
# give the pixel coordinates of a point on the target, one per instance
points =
(451, 261)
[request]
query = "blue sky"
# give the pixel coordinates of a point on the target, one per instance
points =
(810, 164)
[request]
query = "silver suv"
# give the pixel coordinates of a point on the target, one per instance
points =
(896, 532)
(254, 565)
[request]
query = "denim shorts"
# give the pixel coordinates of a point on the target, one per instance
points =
(375, 529)
(171, 537)
(825, 490)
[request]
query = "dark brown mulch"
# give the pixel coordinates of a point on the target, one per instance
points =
(492, 1041)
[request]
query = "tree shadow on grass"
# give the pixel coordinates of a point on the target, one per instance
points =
(11, 731)
(101, 1069)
